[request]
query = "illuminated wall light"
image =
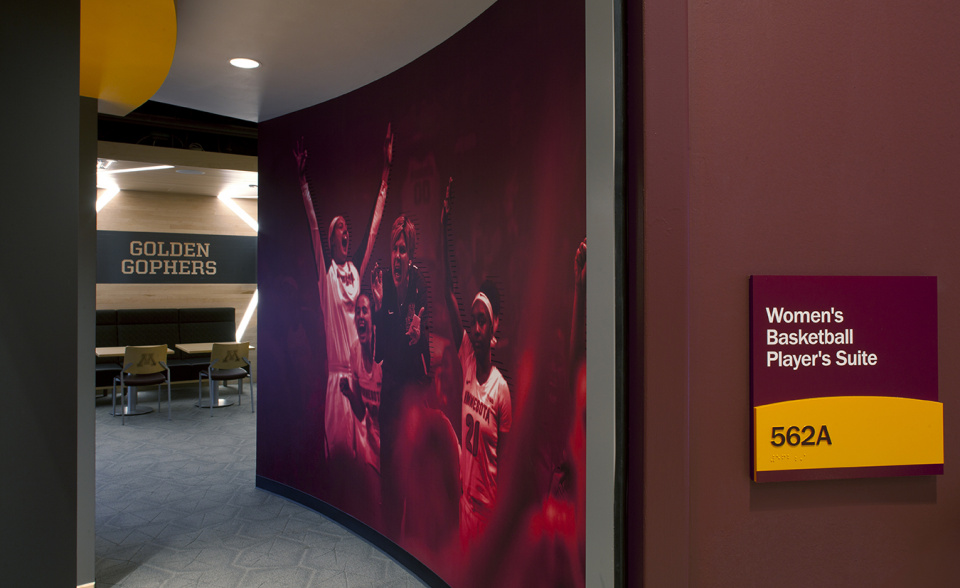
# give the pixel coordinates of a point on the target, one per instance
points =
(248, 315)
(110, 190)
(228, 201)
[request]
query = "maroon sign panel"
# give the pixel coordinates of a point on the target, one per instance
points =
(844, 377)
(422, 269)
(843, 336)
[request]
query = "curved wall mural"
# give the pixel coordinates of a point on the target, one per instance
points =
(422, 266)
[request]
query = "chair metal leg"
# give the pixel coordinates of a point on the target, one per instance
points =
(169, 401)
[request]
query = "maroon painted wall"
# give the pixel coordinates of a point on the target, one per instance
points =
(813, 138)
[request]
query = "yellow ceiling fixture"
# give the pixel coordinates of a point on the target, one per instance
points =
(126, 49)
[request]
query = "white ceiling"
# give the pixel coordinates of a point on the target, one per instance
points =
(311, 50)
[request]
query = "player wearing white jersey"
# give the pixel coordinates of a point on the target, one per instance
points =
(363, 390)
(366, 386)
(339, 286)
(486, 409)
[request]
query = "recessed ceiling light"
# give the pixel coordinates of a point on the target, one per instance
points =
(244, 63)
(191, 172)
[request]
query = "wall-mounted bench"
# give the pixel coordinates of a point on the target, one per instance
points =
(152, 326)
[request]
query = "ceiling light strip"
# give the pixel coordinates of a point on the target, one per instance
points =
(133, 169)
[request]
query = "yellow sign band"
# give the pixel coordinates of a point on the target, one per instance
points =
(847, 431)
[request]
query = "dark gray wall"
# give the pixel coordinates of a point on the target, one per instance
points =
(39, 156)
(86, 340)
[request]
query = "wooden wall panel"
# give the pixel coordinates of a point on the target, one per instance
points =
(174, 213)
(178, 213)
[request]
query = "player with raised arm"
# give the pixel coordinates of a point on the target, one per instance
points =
(339, 287)
(486, 413)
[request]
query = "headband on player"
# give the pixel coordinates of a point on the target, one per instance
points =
(493, 319)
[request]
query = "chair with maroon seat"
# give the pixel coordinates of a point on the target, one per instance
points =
(143, 365)
(228, 361)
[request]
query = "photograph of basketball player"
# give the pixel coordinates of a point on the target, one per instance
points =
(339, 287)
(367, 381)
(534, 539)
(486, 410)
(363, 391)
(399, 307)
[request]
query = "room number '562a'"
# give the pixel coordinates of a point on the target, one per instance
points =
(805, 436)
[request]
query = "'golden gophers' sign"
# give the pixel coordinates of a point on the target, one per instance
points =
(171, 258)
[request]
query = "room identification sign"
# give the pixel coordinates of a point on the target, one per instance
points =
(125, 257)
(844, 377)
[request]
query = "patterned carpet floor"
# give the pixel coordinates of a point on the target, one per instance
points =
(177, 507)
